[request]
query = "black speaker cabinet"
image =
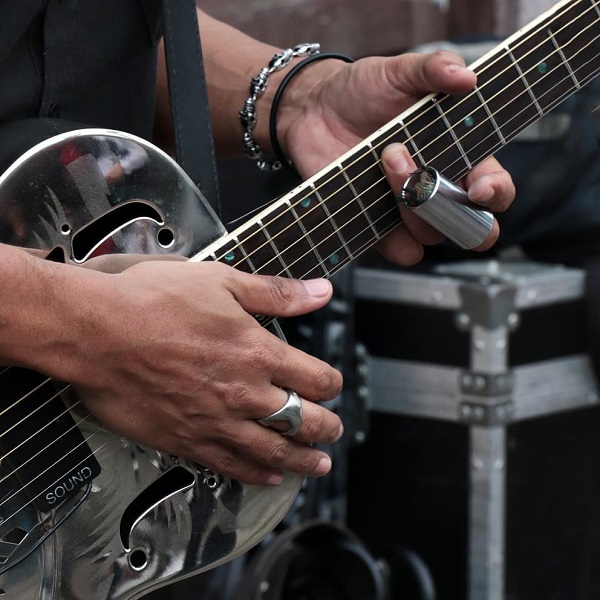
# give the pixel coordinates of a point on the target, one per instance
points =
(479, 476)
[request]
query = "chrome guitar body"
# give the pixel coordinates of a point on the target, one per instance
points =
(85, 514)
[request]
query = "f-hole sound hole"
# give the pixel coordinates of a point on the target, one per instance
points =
(90, 236)
(175, 480)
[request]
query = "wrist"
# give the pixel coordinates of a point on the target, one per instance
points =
(48, 313)
(260, 92)
(298, 93)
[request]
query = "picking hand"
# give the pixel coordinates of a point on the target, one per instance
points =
(182, 366)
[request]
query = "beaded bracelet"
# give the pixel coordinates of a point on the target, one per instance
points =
(280, 156)
(258, 85)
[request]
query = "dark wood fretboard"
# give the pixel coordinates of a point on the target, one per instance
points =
(333, 217)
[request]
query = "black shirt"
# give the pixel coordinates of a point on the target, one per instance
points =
(75, 63)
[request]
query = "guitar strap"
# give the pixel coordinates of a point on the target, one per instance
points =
(189, 97)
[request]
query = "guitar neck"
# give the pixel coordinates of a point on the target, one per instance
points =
(347, 207)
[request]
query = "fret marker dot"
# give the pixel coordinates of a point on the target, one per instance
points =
(230, 257)
(306, 202)
(469, 121)
(543, 68)
(334, 259)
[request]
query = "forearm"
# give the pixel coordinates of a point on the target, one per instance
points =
(42, 308)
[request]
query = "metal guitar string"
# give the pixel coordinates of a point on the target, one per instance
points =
(409, 139)
(421, 131)
(82, 443)
(357, 196)
(461, 101)
(37, 408)
(368, 151)
(22, 398)
(32, 436)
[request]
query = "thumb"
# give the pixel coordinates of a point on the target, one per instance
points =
(279, 296)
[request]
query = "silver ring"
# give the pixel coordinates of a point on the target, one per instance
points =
(291, 412)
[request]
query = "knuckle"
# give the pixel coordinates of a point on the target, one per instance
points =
(314, 424)
(327, 381)
(237, 396)
(278, 451)
(280, 289)
(261, 352)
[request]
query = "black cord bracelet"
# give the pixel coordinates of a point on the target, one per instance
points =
(277, 99)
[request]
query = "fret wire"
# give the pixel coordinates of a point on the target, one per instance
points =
(457, 143)
(365, 247)
(324, 200)
(330, 216)
(525, 83)
(357, 196)
(411, 141)
(564, 61)
(340, 188)
(320, 260)
(490, 115)
(244, 253)
(564, 58)
(551, 106)
(478, 91)
(274, 248)
(383, 178)
(378, 234)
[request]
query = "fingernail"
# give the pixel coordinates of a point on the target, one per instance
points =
(340, 433)
(481, 191)
(323, 467)
(455, 68)
(317, 287)
(396, 159)
(274, 479)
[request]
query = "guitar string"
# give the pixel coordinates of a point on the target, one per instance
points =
(75, 425)
(439, 117)
(65, 388)
(366, 153)
(376, 165)
(99, 429)
(387, 193)
(389, 228)
(31, 414)
(385, 141)
(23, 398)
(39, 431)
(32, 500)
(340, 229)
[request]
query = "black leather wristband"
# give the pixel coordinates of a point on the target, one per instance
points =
(277, 99)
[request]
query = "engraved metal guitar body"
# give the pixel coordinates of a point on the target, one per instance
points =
(85, 514)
